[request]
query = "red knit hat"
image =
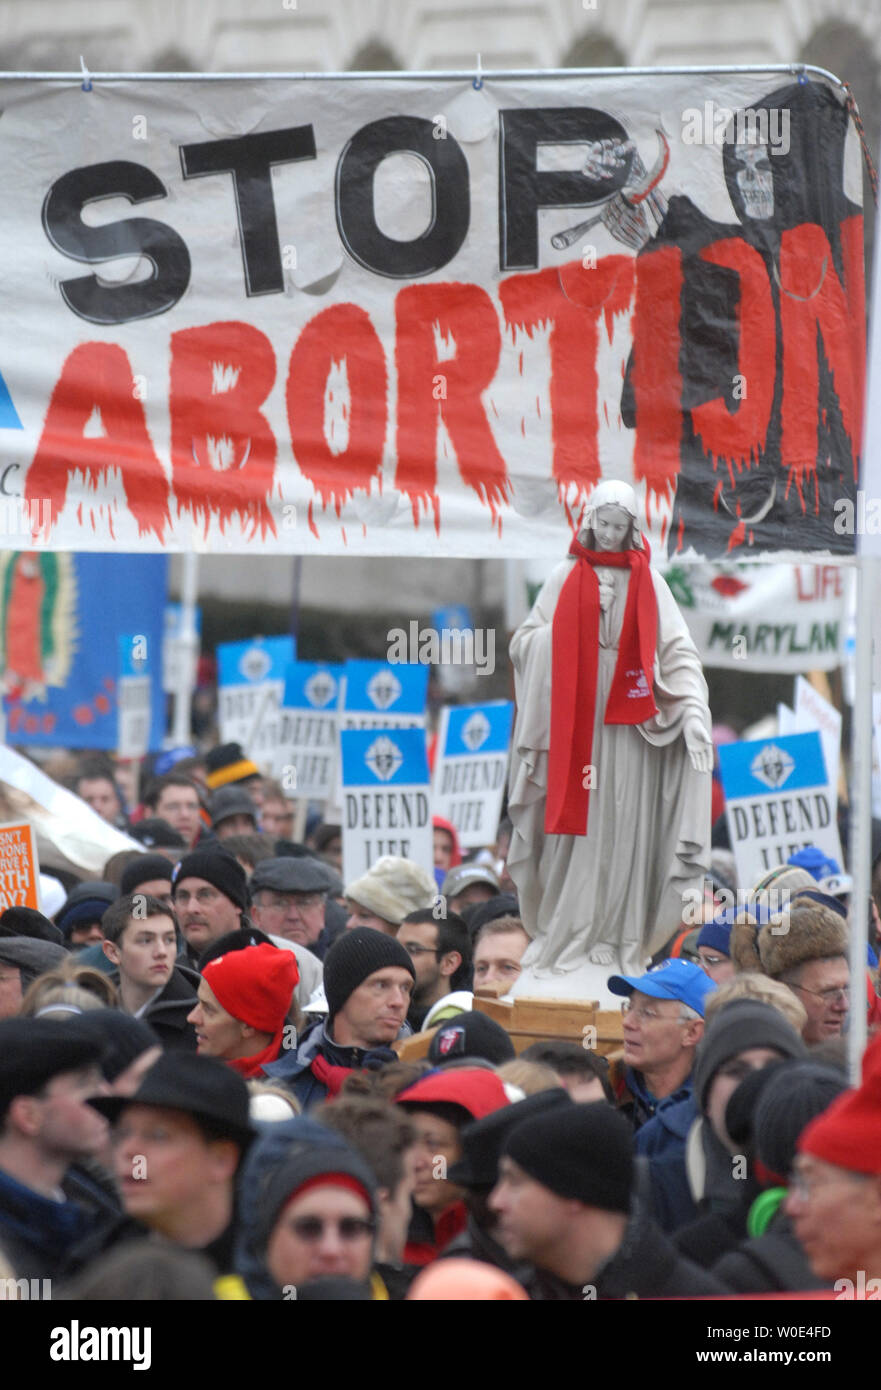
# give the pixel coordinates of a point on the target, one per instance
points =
(848, 1134)
(476, 1091)
(255, 985)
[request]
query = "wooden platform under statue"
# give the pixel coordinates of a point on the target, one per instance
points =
(529, 1021)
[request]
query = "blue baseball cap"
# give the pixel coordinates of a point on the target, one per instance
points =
(672, 979)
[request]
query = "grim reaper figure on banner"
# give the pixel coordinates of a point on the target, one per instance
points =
(770, 340)
(609, 791)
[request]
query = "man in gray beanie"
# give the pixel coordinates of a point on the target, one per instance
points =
(565, 1201)
(368, 980)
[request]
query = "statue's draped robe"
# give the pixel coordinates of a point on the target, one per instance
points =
(648, 832)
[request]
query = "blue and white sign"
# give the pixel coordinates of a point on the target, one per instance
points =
(308, 729)
(133, 696)
(778, 799)
(378, 695)
(470, 768)
(251, 679)
(386, 798)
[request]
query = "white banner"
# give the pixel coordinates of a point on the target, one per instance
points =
(405, 316)
(748, 617)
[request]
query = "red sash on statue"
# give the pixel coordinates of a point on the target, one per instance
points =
(574, 657)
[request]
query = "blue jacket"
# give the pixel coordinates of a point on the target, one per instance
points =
(41, 1237)
(662, 1140)
(294, 1067)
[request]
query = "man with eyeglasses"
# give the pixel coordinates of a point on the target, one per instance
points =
(288, 898)
(663, 1024)
(441, 953)
(211, 899)
(805, 948)
(834, 1199)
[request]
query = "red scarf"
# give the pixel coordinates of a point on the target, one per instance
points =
(329, 1075)
(253, 1066)
(575, 649)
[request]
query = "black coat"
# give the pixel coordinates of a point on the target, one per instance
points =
(770, 1263)
(167, 1015)
(645, 1265)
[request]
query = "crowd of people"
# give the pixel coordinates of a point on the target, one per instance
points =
(203, 1093)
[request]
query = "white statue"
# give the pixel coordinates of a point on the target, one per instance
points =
(609, 789)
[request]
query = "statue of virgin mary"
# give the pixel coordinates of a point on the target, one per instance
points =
(609, 786)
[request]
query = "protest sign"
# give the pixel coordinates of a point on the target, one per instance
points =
(250, 692)
(61, 617)
(814, 711)
(403, 316)
(19, 869)
(308, 730)
(469, 772)
(778, 799)
(377, 695)
(386, 798)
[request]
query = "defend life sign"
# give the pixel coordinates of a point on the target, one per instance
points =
(250, 691)
(308, 729)
(469, 774)
(382, 696)
(386, 798)
(777, 800)
(19, 869)
(402, 316)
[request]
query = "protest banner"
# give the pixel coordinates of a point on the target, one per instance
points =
(19, 867)
(308, 730)
(386, 798)
(755, 617)
(250, 691)
(61, 617)
(405, 316)
(469, 773)
(778, 799)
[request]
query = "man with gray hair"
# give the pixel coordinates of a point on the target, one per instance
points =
(29, 946)
(663, 1024)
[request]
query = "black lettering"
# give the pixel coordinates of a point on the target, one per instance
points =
(523, 190)
(741, 824)
(450, 198)
(250, 159)
(133, 236)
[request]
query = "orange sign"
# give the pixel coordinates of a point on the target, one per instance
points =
(19, 870)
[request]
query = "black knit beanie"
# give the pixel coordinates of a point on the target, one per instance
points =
(583, 1152)
(216, 867)
(742, 1024)
(795, 1095)
(143, 870)
(355, 955)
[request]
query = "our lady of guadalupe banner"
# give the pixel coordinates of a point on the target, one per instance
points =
(416, 316)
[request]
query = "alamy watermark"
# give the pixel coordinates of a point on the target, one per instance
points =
(449, 646)
(721, 125)
(764, 904)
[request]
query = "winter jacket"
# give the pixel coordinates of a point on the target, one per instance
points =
(635, 1100)
(294, 1067)
(770, 1263)
(45, 1239)
(645, 1265)
(167, 1013)
(662, 1140)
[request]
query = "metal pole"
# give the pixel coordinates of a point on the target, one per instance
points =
(187, 649)
(861, 815)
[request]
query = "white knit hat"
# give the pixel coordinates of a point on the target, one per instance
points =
(392, 888)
